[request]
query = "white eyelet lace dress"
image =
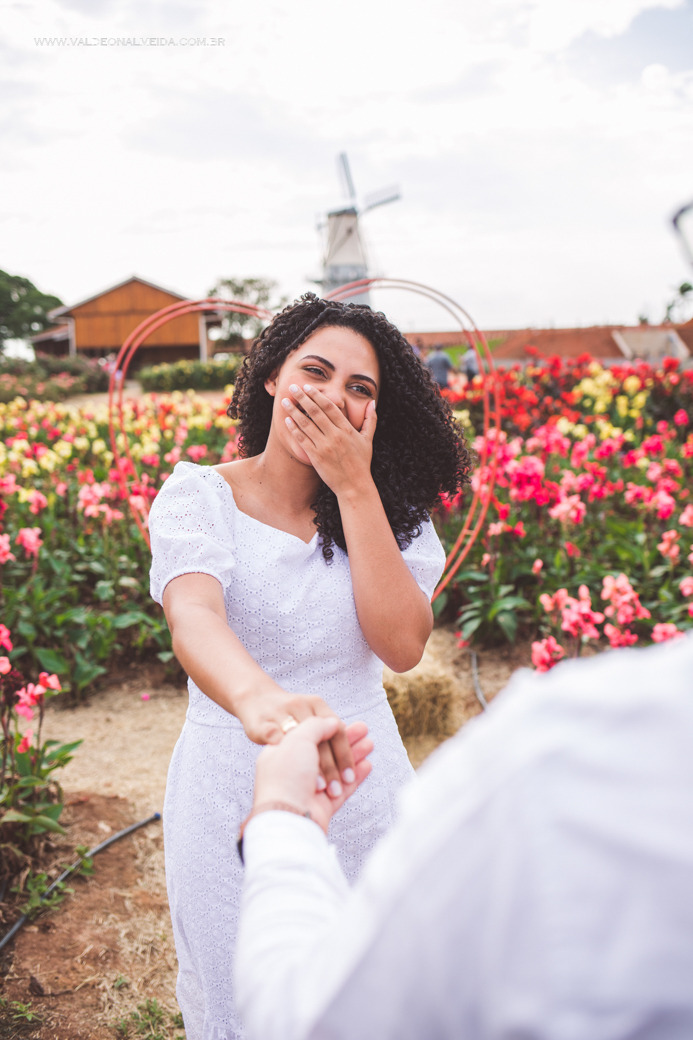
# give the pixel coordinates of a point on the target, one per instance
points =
(295, 615)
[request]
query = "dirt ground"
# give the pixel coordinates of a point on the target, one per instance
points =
(87, 966)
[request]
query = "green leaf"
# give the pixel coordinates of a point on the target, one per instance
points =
(469, 627)
(129, 618)
(86, 671)
(508, 624)
(51, 660)
(27, 630)
(45, 823)
(12, 816)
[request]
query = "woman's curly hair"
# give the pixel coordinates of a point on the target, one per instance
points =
(419, 451)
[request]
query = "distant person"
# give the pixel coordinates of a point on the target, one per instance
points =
(440, 365)
(470, 364)
(537, 883)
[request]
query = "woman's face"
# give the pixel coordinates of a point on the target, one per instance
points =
(340, 363)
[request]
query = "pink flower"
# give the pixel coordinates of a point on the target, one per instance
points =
(173, 456)
(5, 665)
(495, 529)
(485, 559)
(5, 637)
(25, 742)
(8, 485)
(624, 602)
(144, 697)
(197, 451)
(663, 632)
(30, 540)
(50, 682)
(668, 546)
(546, 653)
(663, 502)
(5, 553)
(570, 509)
(537, 565)
(686, 518)
(617, 637)
(686, 586)
(680, 417)
(572, 550)
(37, 501)
(61, 488)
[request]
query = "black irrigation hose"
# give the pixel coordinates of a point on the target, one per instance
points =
(75, 866)
(475, 679)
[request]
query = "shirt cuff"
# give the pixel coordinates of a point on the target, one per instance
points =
(297, 836)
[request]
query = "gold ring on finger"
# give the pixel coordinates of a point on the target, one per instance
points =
(289, 723)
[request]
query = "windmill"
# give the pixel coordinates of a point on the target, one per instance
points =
(345, 254)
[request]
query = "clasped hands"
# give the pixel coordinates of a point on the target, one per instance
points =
(286, 772)
(268, 716)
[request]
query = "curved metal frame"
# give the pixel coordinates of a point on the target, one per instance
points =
(489, 455)
(122, 363)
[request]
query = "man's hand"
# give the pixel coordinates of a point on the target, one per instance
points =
(288, 771)
(268, 715)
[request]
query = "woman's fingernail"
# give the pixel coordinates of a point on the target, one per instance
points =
(320, 783)
(307, 387)
(335, 789)
(294, 389)
(286, 402)
(348, 776)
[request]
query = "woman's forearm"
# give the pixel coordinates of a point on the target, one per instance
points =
(394, 613)
(215, 659)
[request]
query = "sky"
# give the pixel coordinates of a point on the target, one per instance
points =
(540, 148)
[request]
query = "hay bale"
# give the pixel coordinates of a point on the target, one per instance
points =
(422, 700)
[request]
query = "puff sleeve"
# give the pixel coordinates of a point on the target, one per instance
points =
(190, 527)
(425, 558)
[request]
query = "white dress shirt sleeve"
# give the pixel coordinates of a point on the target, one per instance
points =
(536, 884)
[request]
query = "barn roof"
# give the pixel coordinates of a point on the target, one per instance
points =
(60, 312)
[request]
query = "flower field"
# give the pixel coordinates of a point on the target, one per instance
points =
(589, 534)
(588, 538)
(592, 497)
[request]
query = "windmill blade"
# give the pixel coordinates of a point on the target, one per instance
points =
(345, 174)
(380, 198)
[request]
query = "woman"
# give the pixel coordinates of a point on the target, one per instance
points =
(288, 576)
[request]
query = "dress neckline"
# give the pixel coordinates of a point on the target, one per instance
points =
(253, 519)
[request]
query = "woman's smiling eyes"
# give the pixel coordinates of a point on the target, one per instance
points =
(360, 388)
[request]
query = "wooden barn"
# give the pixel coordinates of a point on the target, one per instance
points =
(98, 326)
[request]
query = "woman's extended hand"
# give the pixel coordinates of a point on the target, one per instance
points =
(287, 771)
(339, 453)
(267, 716)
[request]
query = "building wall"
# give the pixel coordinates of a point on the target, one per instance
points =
(104, 323)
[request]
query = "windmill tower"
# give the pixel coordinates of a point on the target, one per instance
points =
(345, 257)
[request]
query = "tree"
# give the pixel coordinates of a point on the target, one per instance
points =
(23, 308)
(235, 328)
(678, 307)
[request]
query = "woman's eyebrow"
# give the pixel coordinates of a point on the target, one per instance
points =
(328, 364)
